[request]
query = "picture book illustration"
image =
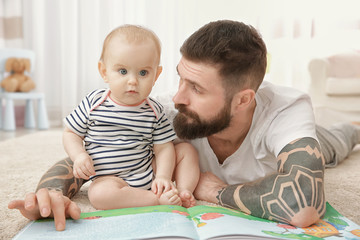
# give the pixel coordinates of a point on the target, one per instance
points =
(199, 222)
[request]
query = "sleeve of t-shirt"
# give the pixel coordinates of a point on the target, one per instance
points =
(77, 120)
(295, 122)
(163, 131)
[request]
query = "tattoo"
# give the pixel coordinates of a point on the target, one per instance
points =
(297, 185)
(60, 178)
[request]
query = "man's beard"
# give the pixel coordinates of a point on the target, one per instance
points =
(188, 125)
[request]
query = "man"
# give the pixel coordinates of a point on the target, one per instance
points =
(258, 145)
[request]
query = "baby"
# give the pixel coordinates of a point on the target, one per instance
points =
(120, 137)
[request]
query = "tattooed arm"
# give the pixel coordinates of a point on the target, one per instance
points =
(52, 196)
(295, 194)
(60, 178)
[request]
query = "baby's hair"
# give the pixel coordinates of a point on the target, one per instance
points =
(132, 33)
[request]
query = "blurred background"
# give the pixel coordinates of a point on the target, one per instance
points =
(67, 37)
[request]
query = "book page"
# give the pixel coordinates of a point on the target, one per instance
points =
(199, 222)
(217, 222)
(148, 222)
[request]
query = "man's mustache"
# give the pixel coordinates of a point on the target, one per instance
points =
(183, 110)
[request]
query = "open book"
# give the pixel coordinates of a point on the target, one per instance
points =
(199, 222)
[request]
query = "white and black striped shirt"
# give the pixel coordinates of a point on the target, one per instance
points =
(120, 138)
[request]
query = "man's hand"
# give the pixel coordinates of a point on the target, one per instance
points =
(47, 203)
(208, 187)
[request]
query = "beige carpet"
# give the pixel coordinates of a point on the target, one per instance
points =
(23, 160)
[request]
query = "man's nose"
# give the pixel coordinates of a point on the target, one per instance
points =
(181, 97)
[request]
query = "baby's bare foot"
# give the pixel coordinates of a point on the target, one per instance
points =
(170, 198)
(187, 199)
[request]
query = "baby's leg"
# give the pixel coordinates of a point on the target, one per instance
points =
(187, 172)
(111, 192)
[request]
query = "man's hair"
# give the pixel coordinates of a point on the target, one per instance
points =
(234, 48)
(133, 34)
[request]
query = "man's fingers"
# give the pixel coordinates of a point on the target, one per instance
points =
(30, 201)
(58, 210)
(16, 204)
(32, 213)
(44, 201)
(73, 210)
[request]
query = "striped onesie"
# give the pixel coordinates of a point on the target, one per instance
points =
(120, 138)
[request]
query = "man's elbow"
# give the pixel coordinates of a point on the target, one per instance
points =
(305, 217)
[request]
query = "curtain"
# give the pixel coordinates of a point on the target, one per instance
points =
(11, 27)
(67, 36)
(297, 31)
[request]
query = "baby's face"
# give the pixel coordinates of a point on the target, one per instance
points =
(131, 70)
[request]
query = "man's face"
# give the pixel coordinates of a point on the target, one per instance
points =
(200, 100)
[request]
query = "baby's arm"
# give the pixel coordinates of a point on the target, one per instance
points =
(165, 164)
(74, 147)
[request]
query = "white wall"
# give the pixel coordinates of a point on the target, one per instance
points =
(67, 36)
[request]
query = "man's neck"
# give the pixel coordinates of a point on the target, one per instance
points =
(226, 142)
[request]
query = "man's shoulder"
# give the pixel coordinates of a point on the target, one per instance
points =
(281, 90)
(279, 97)
(283, 114)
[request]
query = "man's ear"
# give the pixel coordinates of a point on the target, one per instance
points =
(102, 70)
(158, 72)
(243, 98)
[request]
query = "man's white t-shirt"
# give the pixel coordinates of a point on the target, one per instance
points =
(281, 116)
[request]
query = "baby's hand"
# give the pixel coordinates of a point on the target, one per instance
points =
(161, 185)
(83, 166)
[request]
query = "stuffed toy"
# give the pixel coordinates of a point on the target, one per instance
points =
(17, 81)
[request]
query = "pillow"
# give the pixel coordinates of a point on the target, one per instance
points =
(345, 65)
(343, 86)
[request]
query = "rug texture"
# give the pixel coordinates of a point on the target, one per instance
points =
(25, 159)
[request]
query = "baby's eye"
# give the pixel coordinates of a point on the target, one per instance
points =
(143, 72)
(123, 71)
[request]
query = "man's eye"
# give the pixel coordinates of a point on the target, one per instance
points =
(123, 71)
(143, 72)
(195, 89)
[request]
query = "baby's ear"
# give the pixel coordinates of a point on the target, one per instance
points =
(8, 64)
(102, 70)
(158, 72)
